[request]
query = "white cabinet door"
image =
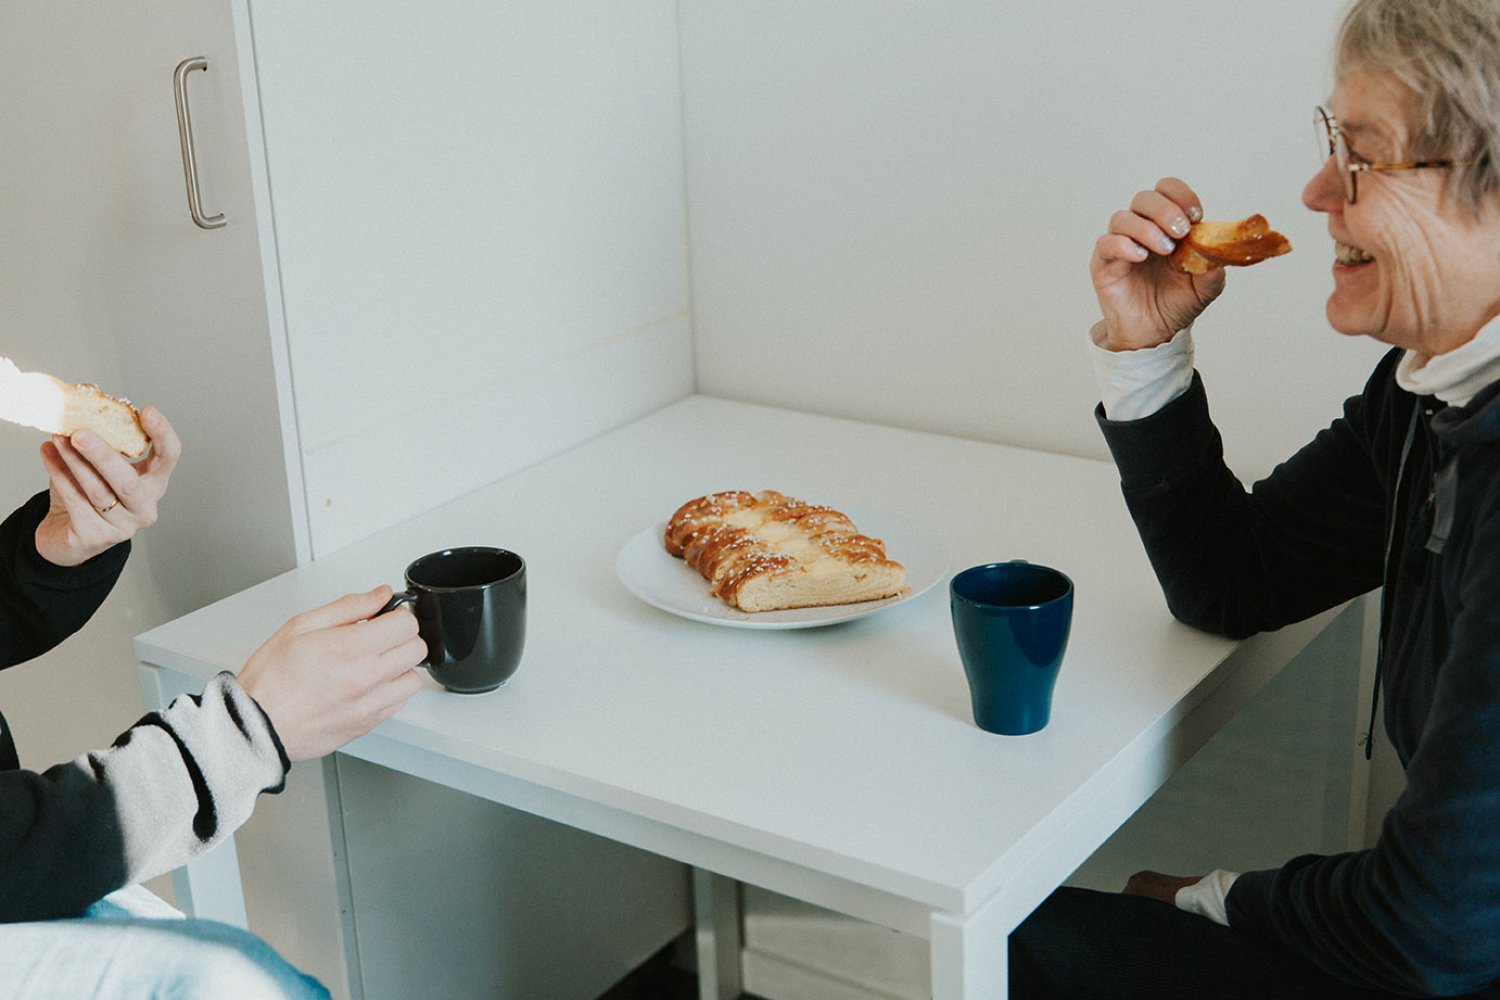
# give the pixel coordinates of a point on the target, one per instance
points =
(103, 276)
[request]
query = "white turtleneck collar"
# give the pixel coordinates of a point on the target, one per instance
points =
(1456, 376)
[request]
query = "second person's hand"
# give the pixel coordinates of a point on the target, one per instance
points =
(335, 672)
(1155, 885)
(98, 499)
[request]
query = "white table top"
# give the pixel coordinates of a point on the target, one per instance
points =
(848, 749)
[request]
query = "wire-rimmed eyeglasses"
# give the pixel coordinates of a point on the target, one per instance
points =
(1350, 165)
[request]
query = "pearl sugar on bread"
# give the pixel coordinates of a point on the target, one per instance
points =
(768, 552)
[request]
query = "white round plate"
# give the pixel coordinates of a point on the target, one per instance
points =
(667, 582)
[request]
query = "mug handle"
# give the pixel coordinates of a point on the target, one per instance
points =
(409, 599)
(398, 598)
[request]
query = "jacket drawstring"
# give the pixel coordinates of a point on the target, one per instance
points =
(1390, 543)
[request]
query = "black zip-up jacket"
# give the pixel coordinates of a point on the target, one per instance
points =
(1401, 492)
(169, 788)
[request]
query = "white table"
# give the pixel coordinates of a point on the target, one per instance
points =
(836, 765)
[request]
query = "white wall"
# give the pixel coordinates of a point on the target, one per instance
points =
(892, 205)
(479, 220)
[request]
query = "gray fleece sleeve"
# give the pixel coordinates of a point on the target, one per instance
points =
(171, 787)
(187, 777)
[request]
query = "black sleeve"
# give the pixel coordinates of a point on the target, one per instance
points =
(1236, 561)
(42, 604)
(61, 846)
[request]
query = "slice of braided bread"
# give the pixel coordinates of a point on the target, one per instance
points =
(36, 399)
(1211, 243)
(768, 552)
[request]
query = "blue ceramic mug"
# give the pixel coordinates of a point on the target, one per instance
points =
(1011, 621)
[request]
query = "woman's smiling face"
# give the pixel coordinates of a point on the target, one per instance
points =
(1412, 267)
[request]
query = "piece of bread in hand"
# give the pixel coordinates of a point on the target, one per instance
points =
(768, 552)
(1211, 244)
(36, 399)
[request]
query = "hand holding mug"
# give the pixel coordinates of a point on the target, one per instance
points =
(335, 672)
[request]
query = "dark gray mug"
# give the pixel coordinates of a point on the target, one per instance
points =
(470, 605)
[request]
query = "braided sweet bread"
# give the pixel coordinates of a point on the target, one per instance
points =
(768, 552)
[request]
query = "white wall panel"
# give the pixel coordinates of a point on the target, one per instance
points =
(892, 205)
(473, 203)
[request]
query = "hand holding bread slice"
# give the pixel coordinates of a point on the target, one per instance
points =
(36, 399)
(1210, 244)
(103, 486)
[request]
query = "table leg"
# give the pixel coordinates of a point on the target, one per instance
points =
(970, 954)
(208, 886)
(716, 917)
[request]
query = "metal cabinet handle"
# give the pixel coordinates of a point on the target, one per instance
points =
(189, 157)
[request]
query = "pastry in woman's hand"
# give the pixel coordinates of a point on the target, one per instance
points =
(1210, 244)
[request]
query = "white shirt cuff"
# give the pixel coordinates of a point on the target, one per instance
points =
(1208, 897)
(1136, 384)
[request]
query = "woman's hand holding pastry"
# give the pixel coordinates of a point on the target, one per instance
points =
(98, 499)
(1145, 300)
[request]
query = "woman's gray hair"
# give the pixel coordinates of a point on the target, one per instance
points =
(1447, 53)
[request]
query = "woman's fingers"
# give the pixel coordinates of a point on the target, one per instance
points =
(1154, 220)
(395, 693)
(85, 463)
(107, 479)
(1184, 197)
(403, 657)
(349, 609)
(166, 446)
(61, 481)
(1114, 257)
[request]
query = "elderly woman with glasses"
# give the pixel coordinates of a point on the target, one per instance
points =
(1401, 492)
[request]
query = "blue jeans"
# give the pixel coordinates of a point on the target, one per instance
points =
(132, 946)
